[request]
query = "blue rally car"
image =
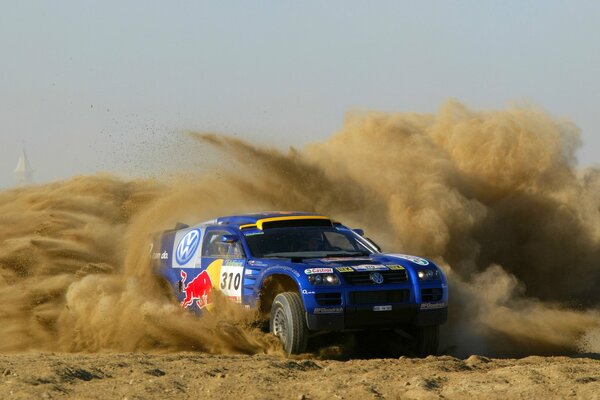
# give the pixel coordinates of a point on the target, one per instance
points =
(305, 273)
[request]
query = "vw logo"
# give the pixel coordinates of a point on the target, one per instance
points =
(187, 247)
(376, 277)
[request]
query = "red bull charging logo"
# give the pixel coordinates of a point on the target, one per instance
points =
(198, 289)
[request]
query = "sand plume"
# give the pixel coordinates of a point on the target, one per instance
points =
(495, 197)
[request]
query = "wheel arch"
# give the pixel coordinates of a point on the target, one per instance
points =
(271, 286)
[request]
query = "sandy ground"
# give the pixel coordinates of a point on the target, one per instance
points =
(189, 375)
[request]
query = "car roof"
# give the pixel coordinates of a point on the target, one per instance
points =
(246, 220)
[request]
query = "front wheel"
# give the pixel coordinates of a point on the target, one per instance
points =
(427, 340)
(288, 322)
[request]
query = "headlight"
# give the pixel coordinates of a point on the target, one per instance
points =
(428, 274)
(323, 279)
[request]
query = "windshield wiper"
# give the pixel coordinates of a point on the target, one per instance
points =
(316, 254)
(296, 256)
(292, 257)
(349, 254)
(275, 257)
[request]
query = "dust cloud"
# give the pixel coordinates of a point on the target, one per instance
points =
(75, 276)
(494, 197)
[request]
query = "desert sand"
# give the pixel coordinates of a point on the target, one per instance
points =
(195, 376)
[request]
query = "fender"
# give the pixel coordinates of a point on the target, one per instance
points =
(280, 270)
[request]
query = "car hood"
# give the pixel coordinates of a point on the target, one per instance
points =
(381, 260)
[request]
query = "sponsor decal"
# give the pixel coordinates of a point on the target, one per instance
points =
(233, 263)
(334, 259)
(304, 291)
(253, 233)
(197, 290)
(367, 267)
(382, 308)
(433, 306)
(160, 256)
(258, 263)
(414, 259)
(344, 269)
(187, 247)
(394, 267)
(312, 271)
(328, 310)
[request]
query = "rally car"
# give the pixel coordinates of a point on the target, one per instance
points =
(306, 274)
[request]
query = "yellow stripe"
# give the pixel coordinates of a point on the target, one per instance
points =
(247, 226)
(260, 222)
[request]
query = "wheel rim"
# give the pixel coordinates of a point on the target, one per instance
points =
(280, 325)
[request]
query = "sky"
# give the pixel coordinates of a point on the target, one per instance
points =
(90, 86)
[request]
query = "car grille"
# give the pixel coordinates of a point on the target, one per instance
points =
(328, 299)
(380, 296)
(363, 278)
(434, 294)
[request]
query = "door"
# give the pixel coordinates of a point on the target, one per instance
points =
(223, 260)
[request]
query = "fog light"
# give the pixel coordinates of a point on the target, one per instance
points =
(324, 279)
(427, 274)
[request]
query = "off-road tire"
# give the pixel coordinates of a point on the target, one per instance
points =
(427, 339)
(287, 321)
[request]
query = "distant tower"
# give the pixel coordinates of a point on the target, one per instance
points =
(23, 171)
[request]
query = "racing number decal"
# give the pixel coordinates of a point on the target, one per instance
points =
(228, 278)
(231, 282)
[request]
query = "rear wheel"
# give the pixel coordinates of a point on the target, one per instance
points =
(288, 322)
(427, 340)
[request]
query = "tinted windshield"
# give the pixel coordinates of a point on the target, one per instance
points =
(306, 243)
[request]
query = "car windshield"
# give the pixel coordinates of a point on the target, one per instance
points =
(313, 242)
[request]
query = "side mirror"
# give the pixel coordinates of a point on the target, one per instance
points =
(359, 231)
(229, 238)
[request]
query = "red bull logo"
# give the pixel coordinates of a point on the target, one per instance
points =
(197, 289)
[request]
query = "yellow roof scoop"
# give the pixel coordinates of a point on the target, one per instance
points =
(291, 221)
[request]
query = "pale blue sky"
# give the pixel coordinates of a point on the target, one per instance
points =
(109, 85)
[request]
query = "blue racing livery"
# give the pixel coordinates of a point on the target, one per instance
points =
(306, 274)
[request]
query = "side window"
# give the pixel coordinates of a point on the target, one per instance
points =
(214, 246)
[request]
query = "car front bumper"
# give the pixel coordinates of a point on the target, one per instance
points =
(365, 317)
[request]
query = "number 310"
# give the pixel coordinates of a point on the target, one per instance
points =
(228, 278)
